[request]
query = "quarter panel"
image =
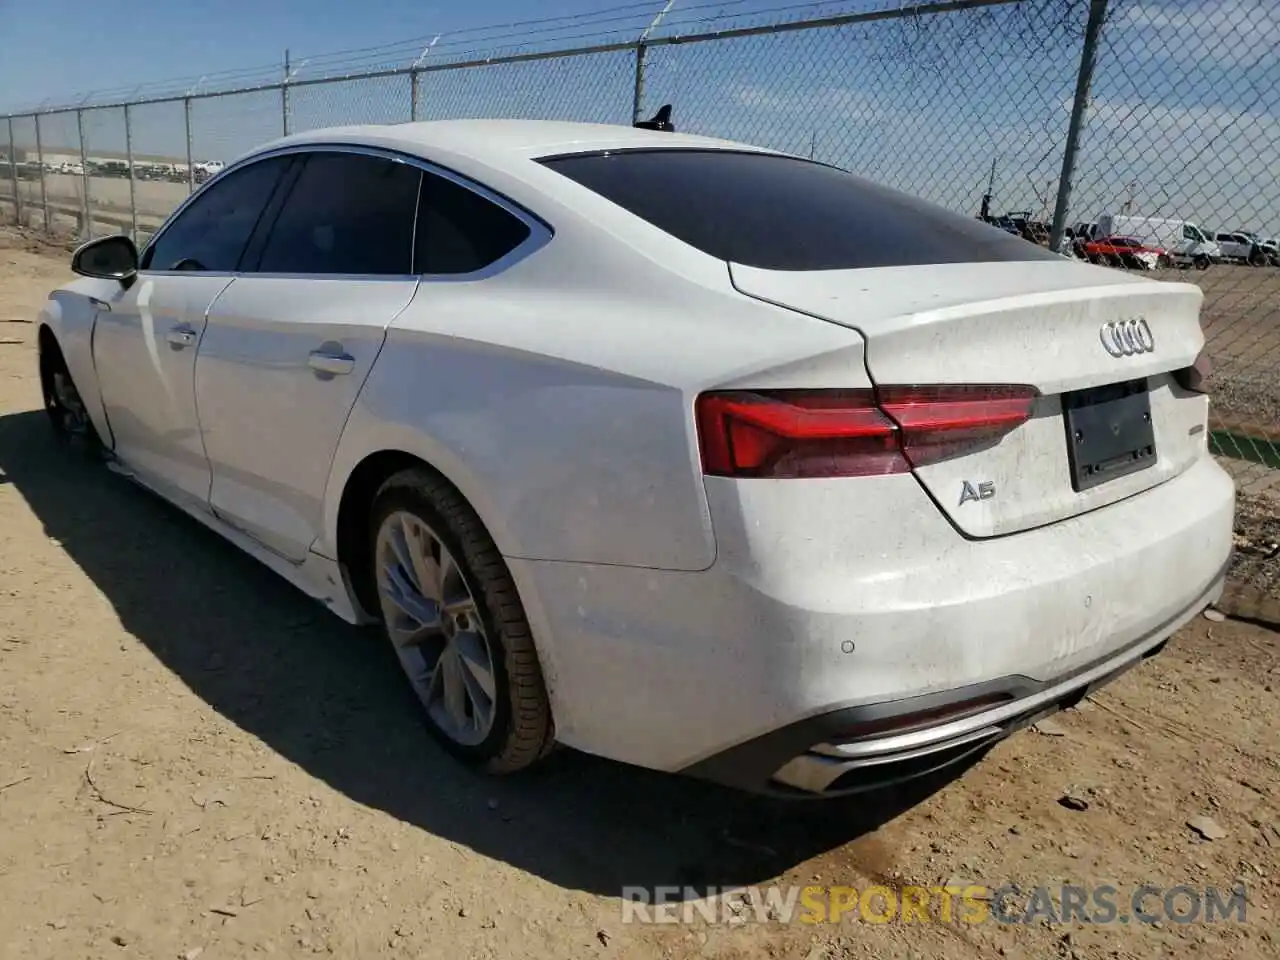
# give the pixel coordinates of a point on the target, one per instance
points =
(563, 461)
(558, 397)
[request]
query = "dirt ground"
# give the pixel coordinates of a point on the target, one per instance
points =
(196, 761)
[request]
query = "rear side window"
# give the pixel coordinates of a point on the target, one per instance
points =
(347, 213)
(782, 213)
(211, 233)
(460, 231)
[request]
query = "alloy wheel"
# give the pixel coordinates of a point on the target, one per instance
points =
(434, 622)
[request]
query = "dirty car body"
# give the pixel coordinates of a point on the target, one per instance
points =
(805, 485)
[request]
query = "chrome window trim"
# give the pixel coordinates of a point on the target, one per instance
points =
(540, 233)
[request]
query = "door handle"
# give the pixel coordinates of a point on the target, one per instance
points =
(332, 363)
(180, 337)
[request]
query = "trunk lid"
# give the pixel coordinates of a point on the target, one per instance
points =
(1044, 324)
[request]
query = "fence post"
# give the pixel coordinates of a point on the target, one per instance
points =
(13, 175)
(637, 95)
(1084, 80)
(414, 107)
(44, 191)
(87, 227)
(642, 49)
(128, 158)
(191, 170)
(284, 97)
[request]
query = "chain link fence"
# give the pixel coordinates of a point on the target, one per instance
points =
(1141, 134)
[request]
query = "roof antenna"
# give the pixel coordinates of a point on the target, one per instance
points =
(661, 121)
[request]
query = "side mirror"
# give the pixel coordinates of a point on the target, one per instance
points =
(107, 258)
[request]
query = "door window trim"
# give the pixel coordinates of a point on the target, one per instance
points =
(540, 232)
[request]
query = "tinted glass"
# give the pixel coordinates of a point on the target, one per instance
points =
(460, 231)
(211, 233)
(782, 213)
(346, 213)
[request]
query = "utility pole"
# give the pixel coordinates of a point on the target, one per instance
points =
(284, 95)
(985, 212)
(1084, 80)
(813, 144)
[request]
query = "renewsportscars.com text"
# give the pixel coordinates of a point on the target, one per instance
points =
(969, 904)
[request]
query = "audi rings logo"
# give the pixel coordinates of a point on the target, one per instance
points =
(1127, 338)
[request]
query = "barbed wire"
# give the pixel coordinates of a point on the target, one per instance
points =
(609, 25)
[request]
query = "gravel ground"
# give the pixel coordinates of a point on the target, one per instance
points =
(196, 761)
(1257, 559)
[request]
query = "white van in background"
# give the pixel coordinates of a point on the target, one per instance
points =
(1185, 242)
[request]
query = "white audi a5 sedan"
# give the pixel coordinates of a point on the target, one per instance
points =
(678, 451)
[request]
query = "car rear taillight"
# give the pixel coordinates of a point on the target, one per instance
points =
(779, 434)
(941, 422)
(1193, 377)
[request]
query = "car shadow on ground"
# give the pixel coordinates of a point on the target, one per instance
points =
(329, 697)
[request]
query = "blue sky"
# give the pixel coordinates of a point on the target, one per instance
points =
(162, 39)
(1185, 116)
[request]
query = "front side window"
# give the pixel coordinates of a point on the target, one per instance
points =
(784, 213)
(460, 231)
(211, 233)
(347, 213)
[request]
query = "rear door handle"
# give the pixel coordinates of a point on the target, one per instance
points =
(180, 337)
(332, 363)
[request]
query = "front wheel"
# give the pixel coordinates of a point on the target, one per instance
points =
(62, 402)
(454, 618)
(1202, 262)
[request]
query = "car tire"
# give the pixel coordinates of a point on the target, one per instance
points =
(1202, 263)
(463, 639)
(68, 417)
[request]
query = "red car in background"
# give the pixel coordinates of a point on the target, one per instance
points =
(1126, 252)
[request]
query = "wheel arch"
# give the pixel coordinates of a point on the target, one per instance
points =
(351, 509)
(47, 349)
(350, 542)
(355, 508)
(66, 324)
(46, 344)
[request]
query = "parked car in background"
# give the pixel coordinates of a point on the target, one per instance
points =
(1241, 248)
(847, 488)
(1184, 242)
(1128, 252)
(1268, 246)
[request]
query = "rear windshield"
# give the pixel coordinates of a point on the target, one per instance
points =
(782, 213)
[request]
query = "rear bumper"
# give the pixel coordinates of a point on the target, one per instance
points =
(832, 603)
(832, 755)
